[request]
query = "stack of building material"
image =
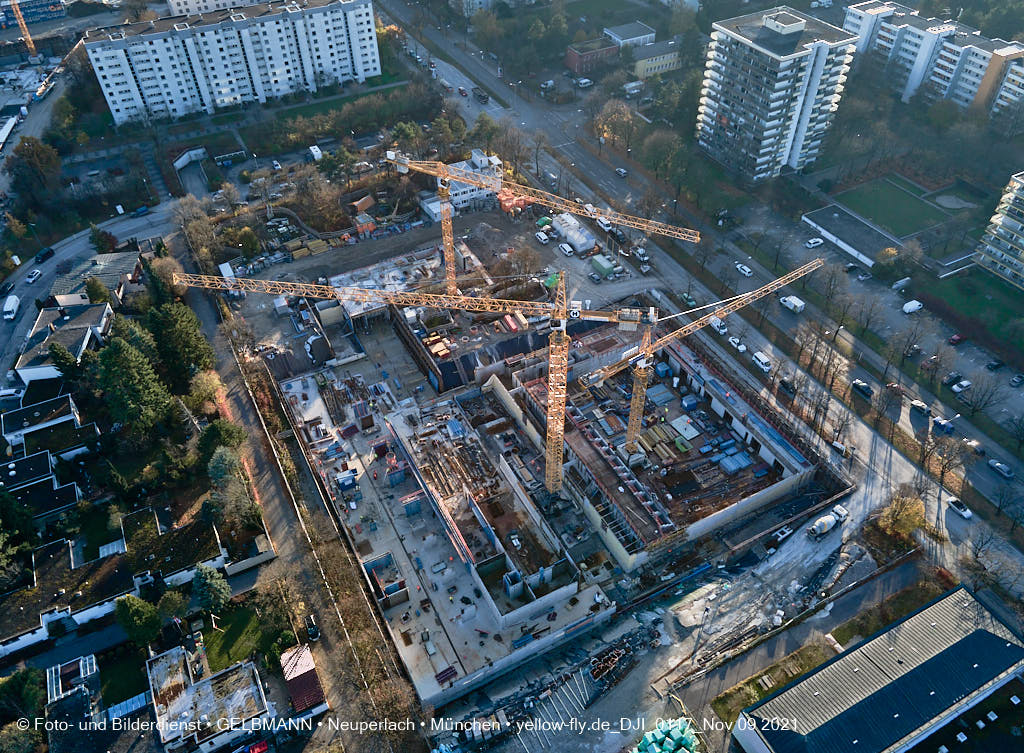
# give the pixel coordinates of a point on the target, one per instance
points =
(317, 246)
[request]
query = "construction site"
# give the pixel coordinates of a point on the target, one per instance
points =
(513, 466)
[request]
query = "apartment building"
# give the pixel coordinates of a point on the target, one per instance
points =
(183, 64)
(945, 59)
(1001, 250)
(771, 87)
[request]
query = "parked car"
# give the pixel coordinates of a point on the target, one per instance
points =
(962, 386)
(542, 238)
(276, 165)
(960, 508)
(851, 268)
(621, 172)
(951, 378)
(957, 339)
(312, 629)
(862, 387)
(6, 288)
(895, 387)
(974, 446)
(930, 364)
(921, 407)
(1001, 468)
(463, 92)
(595, 277)
(46, 253)
(787, 386)
(814, 242)
(34, 275)
(565, 248)
(735, 342)
(995, 365)
(864, 276)
(689, 300)
(1017, 380)
(744, 270)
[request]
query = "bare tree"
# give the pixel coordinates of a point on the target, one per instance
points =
(540, 142)
(843, 309)
(987, 391)
(1004, 496)
(1016, 428)
(830, 282)
(884, 402)
(904, 340)
(869, 311)
(943, 361)
(702, 252)
(841, 423)
(982, 539)
(951, 455)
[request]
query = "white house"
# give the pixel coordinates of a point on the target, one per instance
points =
(77, 328)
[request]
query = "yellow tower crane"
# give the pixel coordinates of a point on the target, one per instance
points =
(559, 311)
(448, 174)
(24, 29)
(642, 358)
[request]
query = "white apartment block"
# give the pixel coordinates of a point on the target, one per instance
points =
(179, 65)
(1001, 250)
(188, 7)
(771, 87)
(951, 61)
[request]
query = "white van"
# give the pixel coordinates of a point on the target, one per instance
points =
(762, 362)
(584, 83)
(604, 224)
(718, 326)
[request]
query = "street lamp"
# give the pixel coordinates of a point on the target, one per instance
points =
(32, 227)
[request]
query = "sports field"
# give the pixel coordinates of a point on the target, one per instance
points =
(891, 208)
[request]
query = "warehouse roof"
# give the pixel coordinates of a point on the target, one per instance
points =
(895, 684)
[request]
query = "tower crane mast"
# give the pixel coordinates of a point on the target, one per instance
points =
(643, 358)
(24, 28)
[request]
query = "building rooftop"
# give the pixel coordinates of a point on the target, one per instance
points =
(894, 684)
(592, 45)
(44, 497)
(399, 273)
(300, 675)
(212, 18)
(629, 31)
(185, 706)
(868, 240)
(656, 49)
(783, 31)
(25, 470)
(35, 415)
(71, 326)
(109, 269)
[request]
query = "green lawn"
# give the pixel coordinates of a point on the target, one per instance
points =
(890, 207)
(984, 296)
(122, 674)
(239, 635)
(905, 184)
(324, 106)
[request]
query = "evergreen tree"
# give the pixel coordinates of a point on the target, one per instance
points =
(137, 336)
(211, 588)
(219, 433)
(65, 362)
(132, 392)
(138, 618)
(97, 291)
(180, 343)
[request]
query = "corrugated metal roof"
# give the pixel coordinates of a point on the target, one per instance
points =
(872, 696)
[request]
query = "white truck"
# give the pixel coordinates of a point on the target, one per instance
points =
(793, 303)
(11, 307)
(826, 523)
(315, 153)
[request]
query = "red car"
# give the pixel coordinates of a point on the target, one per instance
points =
(957, 339)
(463, 91)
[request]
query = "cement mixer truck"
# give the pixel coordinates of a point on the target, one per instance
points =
(826, 523)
